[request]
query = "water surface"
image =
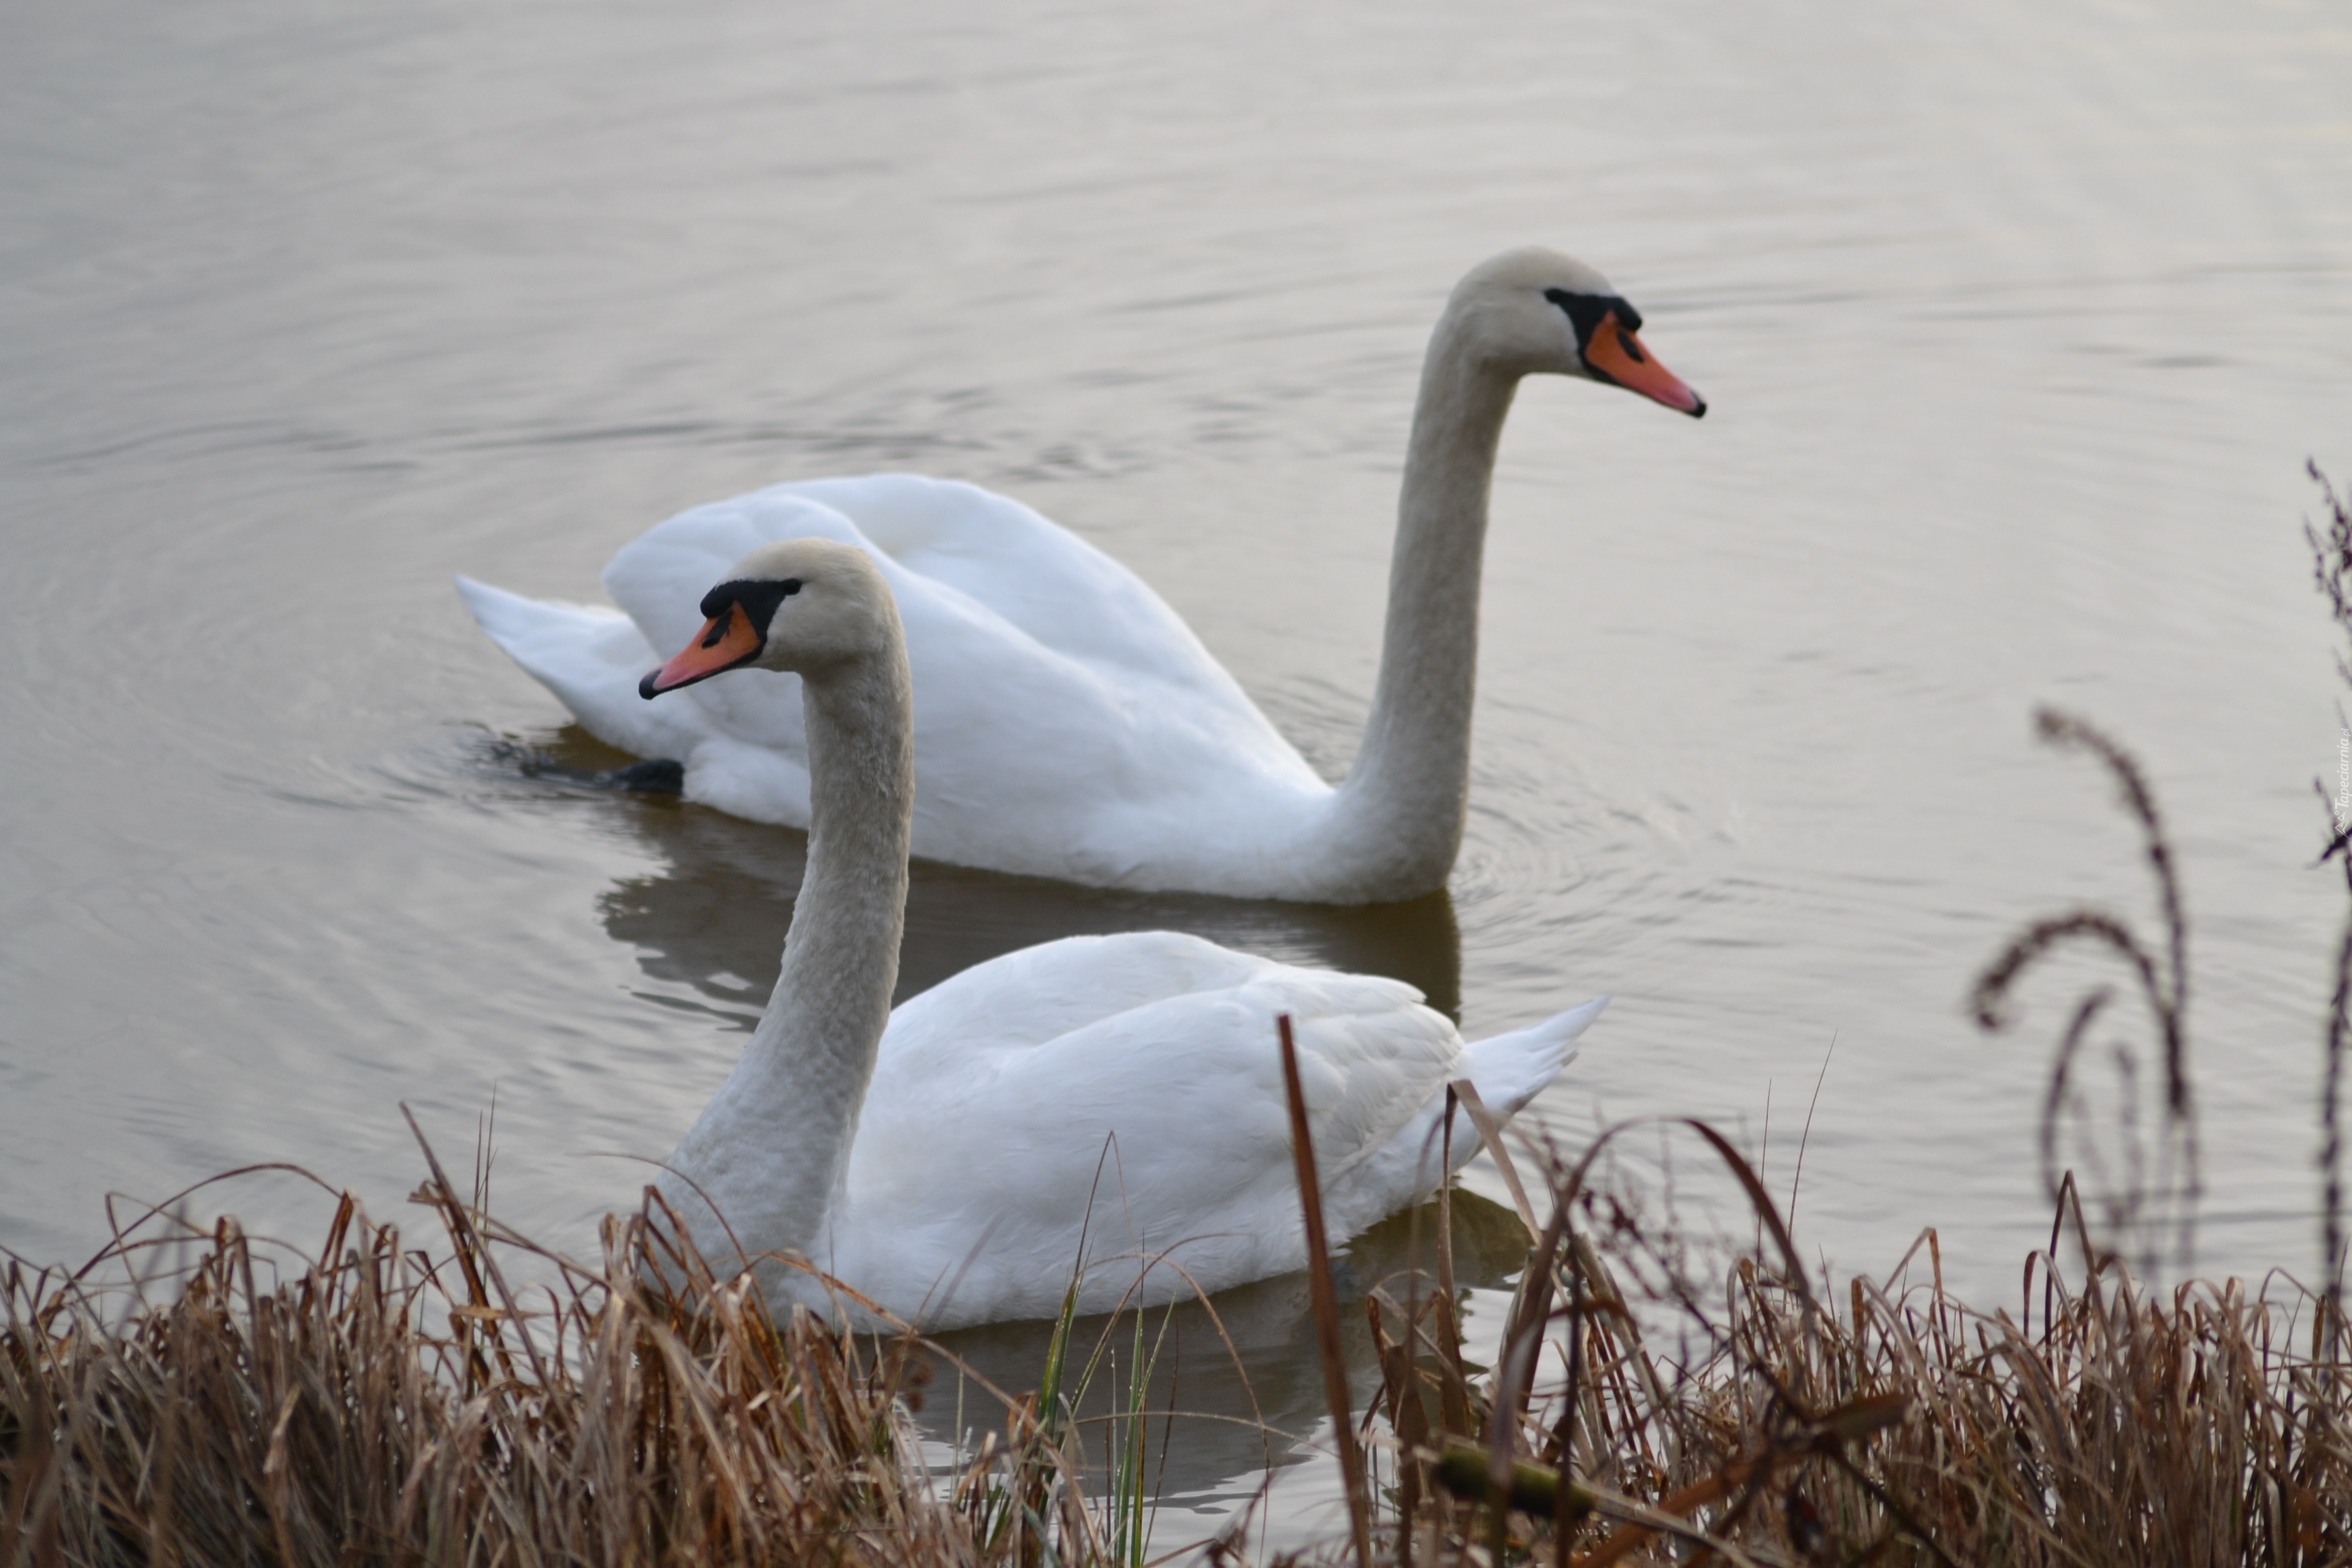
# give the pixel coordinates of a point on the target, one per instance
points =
(2018, 324)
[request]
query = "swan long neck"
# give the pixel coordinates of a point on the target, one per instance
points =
(1402, 809)
(772, 1148)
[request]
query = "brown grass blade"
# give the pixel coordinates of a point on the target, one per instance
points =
(1326, 1302)
(1490, 1133)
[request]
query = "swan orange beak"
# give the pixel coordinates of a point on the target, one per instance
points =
(1616, 354)
(727, 641)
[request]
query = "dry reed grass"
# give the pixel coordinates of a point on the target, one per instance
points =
(2198, 1425)
(385, 1406)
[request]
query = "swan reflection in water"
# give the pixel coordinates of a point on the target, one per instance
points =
(1227, 1406)
(687, 925)
(680, 922)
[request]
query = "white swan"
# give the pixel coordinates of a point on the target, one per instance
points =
(1068, 724)
(1097, 1101)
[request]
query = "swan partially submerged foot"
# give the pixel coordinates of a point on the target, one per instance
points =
(653, 775)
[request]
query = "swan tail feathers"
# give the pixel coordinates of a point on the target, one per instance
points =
(543, 636)
(591, 658)
(1511, 1069)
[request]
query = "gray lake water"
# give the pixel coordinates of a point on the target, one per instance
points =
(2017, 322)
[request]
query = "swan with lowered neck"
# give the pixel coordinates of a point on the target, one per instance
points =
(1067, 722)
(1109, 1104)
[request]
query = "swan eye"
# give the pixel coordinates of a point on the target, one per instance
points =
(757, 600)
(1587, 311)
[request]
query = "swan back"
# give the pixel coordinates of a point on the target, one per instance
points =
(1106, 1099)
(1065, 714)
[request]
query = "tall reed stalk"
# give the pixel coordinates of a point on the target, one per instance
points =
(2332, 568)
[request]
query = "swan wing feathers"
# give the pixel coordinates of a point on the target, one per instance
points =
(1141, 1074)
(942, 541)
(1040, 577)
(1065, 720)
(1039, 993)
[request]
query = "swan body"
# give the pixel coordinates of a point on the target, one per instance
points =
(1108, 1108)
(1067, 722)
(1128, 1087)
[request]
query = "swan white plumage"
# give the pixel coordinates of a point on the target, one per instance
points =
(1109, 1104)
(1067, 722)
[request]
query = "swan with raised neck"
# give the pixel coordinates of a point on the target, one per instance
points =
(773, 1146)
(1398, 818)
(1096, 1103)
(1068, 724)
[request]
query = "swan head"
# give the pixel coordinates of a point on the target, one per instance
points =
(1534, 311)
(808, 606)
